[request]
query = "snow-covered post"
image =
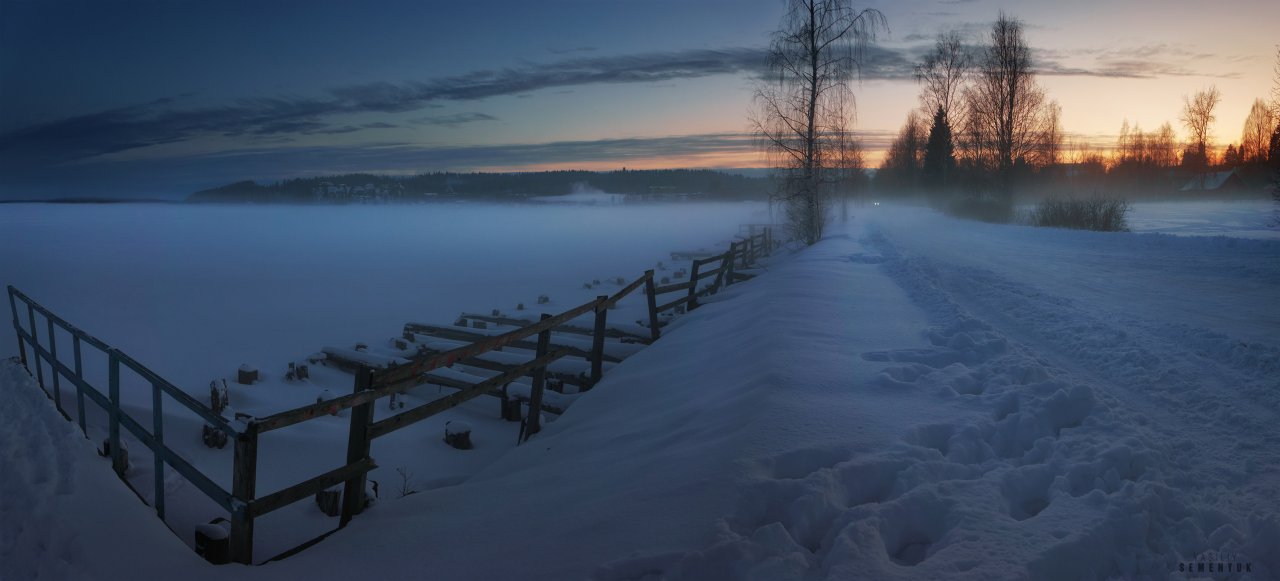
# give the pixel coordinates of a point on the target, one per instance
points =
(730, 259)
(75, 349)
(693, 286)
(113, 392)
(534, 423)
(653, 305)
(53, 367)
(22, 346)
(357, 448)
(597, 339)
(35, 344)
(244, 483)
(157, 432)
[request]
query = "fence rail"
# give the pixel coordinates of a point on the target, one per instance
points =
(242, 501)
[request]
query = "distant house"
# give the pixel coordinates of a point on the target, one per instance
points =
(1218, 182)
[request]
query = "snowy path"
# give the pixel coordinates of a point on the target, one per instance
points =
(1056, 423)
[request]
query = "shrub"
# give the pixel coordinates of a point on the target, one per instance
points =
(1100, 214)
(986, 208)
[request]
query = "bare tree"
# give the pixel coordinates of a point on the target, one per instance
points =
(942, 75)
(813, 57)
(905, 159)
(1197, 116)
(849, 162)
(1005, 104)
(1275, 85)
(1164, 147)
(1050, 128)
(1255, 140)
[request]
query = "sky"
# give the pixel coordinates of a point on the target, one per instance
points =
(158, 98)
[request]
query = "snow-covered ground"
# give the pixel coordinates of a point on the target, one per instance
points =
(914, 397)
(1236, 218)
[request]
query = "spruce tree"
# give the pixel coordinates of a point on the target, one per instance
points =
(939, 154)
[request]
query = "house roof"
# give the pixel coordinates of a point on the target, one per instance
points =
(1211, 181)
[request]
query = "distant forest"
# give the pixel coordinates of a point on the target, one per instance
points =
(369, 188)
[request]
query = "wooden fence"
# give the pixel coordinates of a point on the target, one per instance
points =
(371, 383)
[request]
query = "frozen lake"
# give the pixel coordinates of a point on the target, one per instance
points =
(194, 291)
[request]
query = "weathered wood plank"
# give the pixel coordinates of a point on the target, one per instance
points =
(709, 259)
(674, 304)
(472, 335)
(668, 288)
(358, 445)
(435, 378)
(651, 297)
(90, 339)
(352, 359)
(504, 362)
(286, 496)
(210, 488)
(635, 284)
(244, 482)
(611, 332)
(533, 423)
(597, 343)
(172, 390)
(420, 365)
(693, 289)
(422, 412)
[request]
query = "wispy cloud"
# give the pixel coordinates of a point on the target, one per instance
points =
(163, 121)
(452, 120)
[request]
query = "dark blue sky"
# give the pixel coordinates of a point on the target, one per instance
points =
(157, 98)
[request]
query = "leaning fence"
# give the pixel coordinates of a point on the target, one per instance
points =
(707, 275)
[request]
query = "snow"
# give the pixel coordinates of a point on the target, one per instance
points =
(914, 397)
(1234, 218)
(63, 512)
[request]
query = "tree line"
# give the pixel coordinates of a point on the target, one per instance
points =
(372, 188)
(986, 127)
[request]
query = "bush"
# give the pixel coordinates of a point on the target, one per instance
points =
(986, 208)
(1100, 214)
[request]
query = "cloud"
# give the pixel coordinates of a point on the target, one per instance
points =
(1139, 62)
(163, 121)
(453, 120)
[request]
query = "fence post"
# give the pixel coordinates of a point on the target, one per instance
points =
(22, 345)
(157, 432)
(75, 348)
(113, 391)
(653, 305)
(733, 258)
(244, 481)
(718, 285)
(693, 286)
(357, 448)
(534, 423)
(53, 369)
(597, 340)
(35, 345)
